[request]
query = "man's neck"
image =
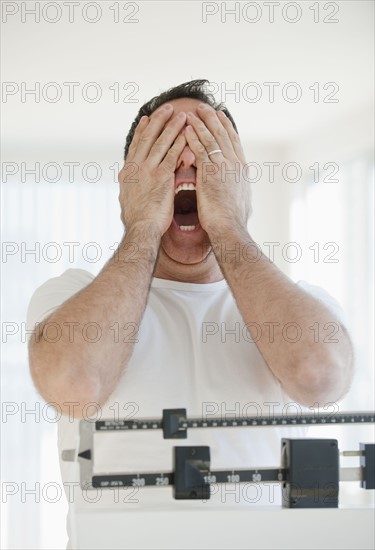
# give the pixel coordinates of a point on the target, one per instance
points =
(204, 272)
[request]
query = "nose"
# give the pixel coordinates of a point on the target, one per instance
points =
(186, 158)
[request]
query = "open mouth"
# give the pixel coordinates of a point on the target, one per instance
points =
(185, 207)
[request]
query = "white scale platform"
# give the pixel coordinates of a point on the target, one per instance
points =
(231, 527)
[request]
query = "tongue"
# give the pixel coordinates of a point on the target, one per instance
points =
(186, 219)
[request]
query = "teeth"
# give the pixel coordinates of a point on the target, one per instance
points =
(187, 227)
(185, 187)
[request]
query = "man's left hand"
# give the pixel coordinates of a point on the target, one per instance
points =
(223, 194)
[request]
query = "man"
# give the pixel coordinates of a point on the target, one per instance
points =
(186, 273)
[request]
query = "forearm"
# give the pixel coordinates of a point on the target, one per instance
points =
(80, 369)
(290, 327)
(75, 369)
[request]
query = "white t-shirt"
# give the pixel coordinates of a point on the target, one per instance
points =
(193, 352)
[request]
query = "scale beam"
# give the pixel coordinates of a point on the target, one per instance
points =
(309, 473)
(175, 423)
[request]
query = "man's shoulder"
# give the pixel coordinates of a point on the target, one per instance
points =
(326, 298)
(67, 283)
(54, 291)
(72, 277)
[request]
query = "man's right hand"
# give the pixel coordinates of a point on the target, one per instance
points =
(147, 178)
(73, 370)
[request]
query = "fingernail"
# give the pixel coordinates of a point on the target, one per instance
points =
(203, 106)
(181, 115)
(167, 106)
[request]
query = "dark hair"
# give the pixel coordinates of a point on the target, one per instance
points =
(193, 89)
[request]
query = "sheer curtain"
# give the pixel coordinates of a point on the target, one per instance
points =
(46, 229)
(334, 221)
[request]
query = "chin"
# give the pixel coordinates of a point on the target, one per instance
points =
(190, 247)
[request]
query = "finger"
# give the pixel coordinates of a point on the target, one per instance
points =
(208, 117)
(208, 140)
(142, 124)
(157, 121)
(234, 137)
(171, 158)
(196, 146)
(164, 142)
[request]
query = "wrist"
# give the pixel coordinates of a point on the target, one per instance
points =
(143, 229)
(228, 233)
(234, 245)
(141, 241)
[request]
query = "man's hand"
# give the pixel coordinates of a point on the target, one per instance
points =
(223, 194)
(310, 372)
(147, 178)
